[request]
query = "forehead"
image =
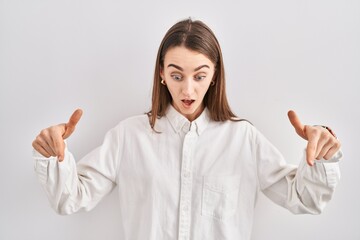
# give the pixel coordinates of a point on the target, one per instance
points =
(185, 57)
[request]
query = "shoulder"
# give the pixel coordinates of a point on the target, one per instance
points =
(246, 131)
(237, 125)
(233, 128)
(134, 123)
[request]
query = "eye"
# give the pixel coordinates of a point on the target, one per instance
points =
(176, 77)
(200, 77)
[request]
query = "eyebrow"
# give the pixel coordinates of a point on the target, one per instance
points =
(181, 69)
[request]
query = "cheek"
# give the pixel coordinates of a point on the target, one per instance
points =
(204, 90)
(173, 89)
(204, 86)
(201, 91)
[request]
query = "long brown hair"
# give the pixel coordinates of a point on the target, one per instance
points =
(196, 36)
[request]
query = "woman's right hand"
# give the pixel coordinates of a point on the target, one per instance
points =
(50, 141)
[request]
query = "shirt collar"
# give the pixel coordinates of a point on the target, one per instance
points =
(181, 123)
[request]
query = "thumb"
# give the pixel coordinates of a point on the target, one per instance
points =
(71, 124)
(296, 123)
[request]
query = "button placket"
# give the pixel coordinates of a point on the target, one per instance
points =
(186, 185)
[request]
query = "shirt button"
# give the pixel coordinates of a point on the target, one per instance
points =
(186, 208)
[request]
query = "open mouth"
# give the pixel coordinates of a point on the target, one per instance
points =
(187, 102)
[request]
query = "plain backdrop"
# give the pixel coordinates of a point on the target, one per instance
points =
(56, 56)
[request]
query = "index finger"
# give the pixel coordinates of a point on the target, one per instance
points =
(74, 119)
(71, 124)
(296, 123)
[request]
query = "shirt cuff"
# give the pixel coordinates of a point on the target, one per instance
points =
(42, 164)
(331, 169)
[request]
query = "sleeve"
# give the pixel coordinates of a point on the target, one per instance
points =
(72, 186)
(300, 189)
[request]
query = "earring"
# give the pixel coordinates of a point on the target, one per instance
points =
(212, 83)
(163, 82)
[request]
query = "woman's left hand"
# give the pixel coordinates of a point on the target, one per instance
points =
(321, 142)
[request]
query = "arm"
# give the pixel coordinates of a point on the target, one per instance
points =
(308, 187)
(70, 186)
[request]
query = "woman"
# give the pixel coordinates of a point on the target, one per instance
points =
(189, 169)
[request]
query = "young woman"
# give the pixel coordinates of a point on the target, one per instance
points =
(189, 169)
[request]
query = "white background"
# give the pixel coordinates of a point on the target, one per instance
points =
(56, 56)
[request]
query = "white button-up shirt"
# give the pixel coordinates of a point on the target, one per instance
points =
(194, 180)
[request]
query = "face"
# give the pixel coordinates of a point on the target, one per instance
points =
(187, 75)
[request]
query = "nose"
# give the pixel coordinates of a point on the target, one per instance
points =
(188, 87)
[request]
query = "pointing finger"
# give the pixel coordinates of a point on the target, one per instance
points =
(75, 117)
(296, 123)
(70, 126)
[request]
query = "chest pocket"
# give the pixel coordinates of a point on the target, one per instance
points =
(220, 196)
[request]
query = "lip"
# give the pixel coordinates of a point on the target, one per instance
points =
(187, 102)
